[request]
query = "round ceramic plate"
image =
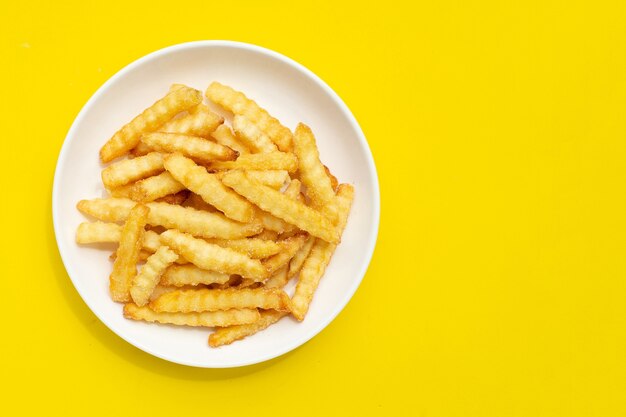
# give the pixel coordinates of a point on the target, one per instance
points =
(290, 93)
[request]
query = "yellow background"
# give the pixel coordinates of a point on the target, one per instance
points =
(498, 284)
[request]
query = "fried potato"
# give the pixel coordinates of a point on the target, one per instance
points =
(123, 191)
(213, 257)
(125, 265)
(140, 150)
(272, 223)
(203, 319)
(272, 178)
(281, 206)
(155, 187)
(315, 264)
(175, 199)
(289, 247)
(186, 301)
(130, 170)
(253, 137)
(153, 117)
(279, 279)
(181, 275)
(237, 103)
(254, 248)
(227, 335)
(265, 161)
(98, 232)
(267, 235)
(150, 275)
(224, 136)
(201, 122)
(194, 147)
(209, 187)
(313, 174)
(333, 180)
(298, 259)
(195, 201)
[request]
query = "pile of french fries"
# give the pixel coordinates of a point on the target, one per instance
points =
(214, 212)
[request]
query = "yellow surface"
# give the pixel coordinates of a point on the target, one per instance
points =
(498, 284)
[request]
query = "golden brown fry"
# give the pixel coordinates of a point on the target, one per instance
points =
(315, 264)
(248, 283)
(213, 257)
(175, 199)
(154, 116)
(237, 103)
(254, 248)
(155, 187)
(267, 235)
(272, 223)
(279, 279)
(192, 146)
(293, 189)
(312, 173)
(140, 150)
(130, 170)
(333, 180)
(125, 265)
(227, 335)
(123, 191)
(186, 301)
(204, 319)
(281, 206)
(195, 201)
(209, 187)
(298, 259)
(181, 275)
(224, 136)
(98, 232)
(150, 274)
(199, 123)
(252, 136)
(272, 178)
(289, 247)
(265, 161)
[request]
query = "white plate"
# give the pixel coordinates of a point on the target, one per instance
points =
(288, 91)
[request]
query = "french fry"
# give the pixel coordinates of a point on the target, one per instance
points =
(279, 279)
(272, 223)
(315, 264)
(195, 201)
(130, 170)
(272, 178)
(203, 319)
(123, 191)
(267, 235)
(98, 232)
(154, 116)
(140, 150)
(150, 275)
(253, 137)
(224, 136)
(227, 335)
(298, 259)
(237, 103)
(254, 248)
(333, 180)
(175, 199)
(201, 122)
(187, 301)
(213, 257)
(281, 206)
(194, 147)
(265, 161)
(289, 247)
(181, 275)
(125, 265)
(155, 187)
(209, 187)
(313, 174)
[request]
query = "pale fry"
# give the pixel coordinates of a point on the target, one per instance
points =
(203, 319)
(194, 147)
(98, 232)
(272, 223)
(237, 103)
(199, 123)
(186, 301)
(255, 161)
(253, 137)
(209, 187)
(289, 247)
(154, 116)
(180, 275)
(293, 190)
(279, 279)
(213, 257)
(130, 170)
(155, 187)
(224, 136)
(272, 178)
(125, 265)
(281, 206)
(298, 259)
(227, 335)
(267, 235)
(315, 264)
(150, 274)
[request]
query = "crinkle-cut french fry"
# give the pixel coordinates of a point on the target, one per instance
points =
(232, 282)
(130, 170)
(186, 301)
(267, 235)
(313, 174)
(195, 201)
(153, 117)
(272, 178)
(319, 257)
(224, 136)
(293, 189)
(279, 279)
(140, 150)
(203, 319)
(289, 247)
(254, 248)
(333, 180)
(175, 199)
(281, 206)
(237, 103)
(158, 186)
(98, 232)
(151, 241)
(272, 223)
(199, 123)
(209, 187)
(252, 136)
(123, 191)
(298, 259)
(185, 219)
(150, 274)
(125, 265)
(248, 283)
(227, 335)
(213, 257)
(194, 147)
(178, 86)
(259, 161)
(180, 275)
